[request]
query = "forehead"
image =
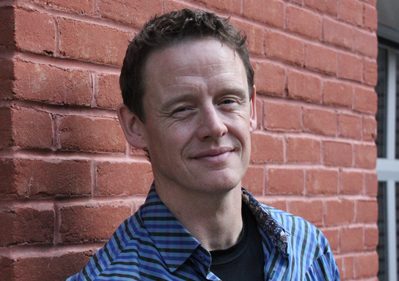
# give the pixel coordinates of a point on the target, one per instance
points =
(203, 57)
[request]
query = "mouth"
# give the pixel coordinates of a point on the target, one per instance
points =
(214, 154)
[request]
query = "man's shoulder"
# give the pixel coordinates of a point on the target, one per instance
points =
(121, 250)
(307, 244)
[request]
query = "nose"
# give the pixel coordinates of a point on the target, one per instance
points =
(211, 124)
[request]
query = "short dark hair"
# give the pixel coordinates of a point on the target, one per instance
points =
(162, 31)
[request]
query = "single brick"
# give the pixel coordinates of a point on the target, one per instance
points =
(366, 265)
(269, 78)
(266, 148)
(131, 12)
(311, 210)
(339, 212)
(371, 237)
(350, 67)
(109, 93)
(324, 6)
(287, 48)
(83, 223)
(303, 150)
(52, 84)
(337, 154)
(78, 133)
(173, 5)
(365, 156)
(31, 128)
(365, 43)
(320, 121)
(320, 58)
(320, 181)
(352, 239)
(123, 178)
(39, 178)
(337, 33)
(285, 181)
(85, 7)
(230, 6)
(303, 22)
(273, 112)
(266, 11)
(337, 93)
(351, 11)
(351, 183)
(26, 226)
(34, 32)
(56, 267)
(350, 126)
(372, 3)
(365, 100)
(370, 17)
(91, 42)
(366, 211)
(304, 86)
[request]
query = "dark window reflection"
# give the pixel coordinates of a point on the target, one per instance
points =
(382, 243)
(381, 89)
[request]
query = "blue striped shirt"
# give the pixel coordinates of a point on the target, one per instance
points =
(153, 245)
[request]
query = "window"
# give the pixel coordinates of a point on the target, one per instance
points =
(388, 161)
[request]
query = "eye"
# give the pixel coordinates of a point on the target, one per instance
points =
(228, 101)
(182, 109)
(182, 112)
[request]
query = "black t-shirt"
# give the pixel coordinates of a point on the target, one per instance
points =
(245, 260)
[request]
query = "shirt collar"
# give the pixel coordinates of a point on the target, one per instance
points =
(269, 226)
(175, 243)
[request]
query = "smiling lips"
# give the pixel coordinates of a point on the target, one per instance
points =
(219, 154)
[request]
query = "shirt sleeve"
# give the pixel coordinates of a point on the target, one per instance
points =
(324, 268)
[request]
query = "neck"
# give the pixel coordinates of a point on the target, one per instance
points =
(214, 219)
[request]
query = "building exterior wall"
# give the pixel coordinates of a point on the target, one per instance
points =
(68, 178)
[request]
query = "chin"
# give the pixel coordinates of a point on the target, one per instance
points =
(221, 185)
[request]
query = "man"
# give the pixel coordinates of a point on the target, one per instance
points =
(189, 102)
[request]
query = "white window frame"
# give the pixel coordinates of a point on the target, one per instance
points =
(388, 168)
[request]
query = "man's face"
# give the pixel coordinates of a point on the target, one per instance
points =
(197, 116)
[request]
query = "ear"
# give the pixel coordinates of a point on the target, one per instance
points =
(253, 119)
(132, 126)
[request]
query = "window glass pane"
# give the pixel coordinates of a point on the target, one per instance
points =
(381, 90)
(397, 108)
(381, 248)
(397, 228)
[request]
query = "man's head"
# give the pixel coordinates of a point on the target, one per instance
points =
(167, 29)
(198, 101)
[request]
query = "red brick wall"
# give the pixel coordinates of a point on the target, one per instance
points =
(68, 178)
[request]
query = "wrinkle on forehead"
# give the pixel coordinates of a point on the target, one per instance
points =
(178, 58)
